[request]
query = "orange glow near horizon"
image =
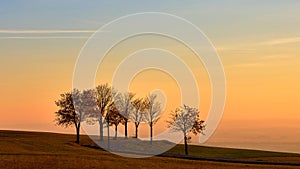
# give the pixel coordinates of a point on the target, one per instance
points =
(270, 88)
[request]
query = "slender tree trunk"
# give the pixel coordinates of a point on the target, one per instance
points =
(126, 121)
(116, 131)
(77, 132)
(185, 145)
(101, 127)
(151, 132)
(108, 136)
(136, 130)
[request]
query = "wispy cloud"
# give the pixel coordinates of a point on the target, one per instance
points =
(251, 47)
(262, 61)
(45, 34)
(236, 50)
(45, 37)
(248, 65)
(271, 57)
(281, 41)
(44, 31)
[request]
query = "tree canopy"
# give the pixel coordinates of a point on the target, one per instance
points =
(186, 119)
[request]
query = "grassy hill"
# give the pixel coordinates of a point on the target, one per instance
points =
(49, 150)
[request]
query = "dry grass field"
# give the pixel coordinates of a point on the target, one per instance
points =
(48, 150)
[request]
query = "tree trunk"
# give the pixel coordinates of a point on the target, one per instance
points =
(151, 132)
(136, 130)
(185, 145)
(116, 131)
(101, 127)
(77, 132)
(108, 138)
(126, 128)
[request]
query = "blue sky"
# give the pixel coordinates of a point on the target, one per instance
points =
(222, 21)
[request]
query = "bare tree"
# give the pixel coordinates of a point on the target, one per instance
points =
(114, 118)
(107, 122)
(104, 101)
(73, 108)
(124, 105)
(66, 115)
(136, 115)
(186, 119)
(152, 113)
(88, 104)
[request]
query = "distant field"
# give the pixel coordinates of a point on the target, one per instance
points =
(241, 154)
(49, 150)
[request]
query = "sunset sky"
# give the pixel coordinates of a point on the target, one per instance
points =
(258, 43)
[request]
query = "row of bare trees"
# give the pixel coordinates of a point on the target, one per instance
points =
(106, 106)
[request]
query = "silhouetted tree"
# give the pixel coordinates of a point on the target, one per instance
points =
(123, 104)
(114, 118)
(72, 106)
(152, 113)
(186, 119)
(107, 122)
(66, 115)
(104, 101)
(88, 104)
(136, 115)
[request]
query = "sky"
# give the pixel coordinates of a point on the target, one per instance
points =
(257, 42)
